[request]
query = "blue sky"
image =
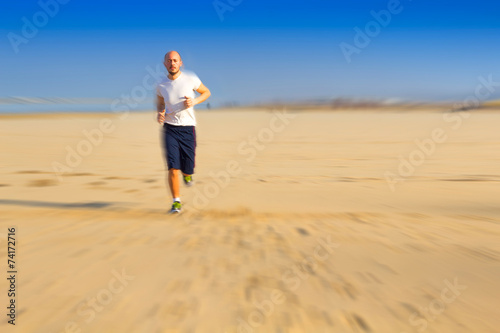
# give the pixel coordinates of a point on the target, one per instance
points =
(260, 51)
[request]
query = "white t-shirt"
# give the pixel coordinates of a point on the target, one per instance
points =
(173, 92)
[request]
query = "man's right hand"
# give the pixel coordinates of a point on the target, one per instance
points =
(161, 117)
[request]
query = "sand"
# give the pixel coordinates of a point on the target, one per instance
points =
(363, 221)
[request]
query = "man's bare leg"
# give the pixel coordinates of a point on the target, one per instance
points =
(173, 182)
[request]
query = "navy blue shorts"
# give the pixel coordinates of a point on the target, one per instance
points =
(179, 143)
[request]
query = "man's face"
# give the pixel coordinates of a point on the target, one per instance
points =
(173, 63)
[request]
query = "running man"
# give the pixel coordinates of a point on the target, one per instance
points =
(175, 99)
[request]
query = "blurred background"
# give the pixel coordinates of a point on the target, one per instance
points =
(81, 55)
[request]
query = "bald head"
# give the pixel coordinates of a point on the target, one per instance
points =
(170, 54)
(172, 62)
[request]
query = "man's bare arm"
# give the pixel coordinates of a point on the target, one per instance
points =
(160, 108)
(204, 94)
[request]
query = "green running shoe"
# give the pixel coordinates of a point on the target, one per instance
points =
(188, 180)
(176, 207)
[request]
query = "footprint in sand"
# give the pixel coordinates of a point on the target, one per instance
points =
(98, 183)
(42, 182)
(355, 322)
(302, 231)
(361, 323)
(30, 172)
(79, 174)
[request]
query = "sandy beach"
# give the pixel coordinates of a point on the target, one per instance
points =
(315, 222)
